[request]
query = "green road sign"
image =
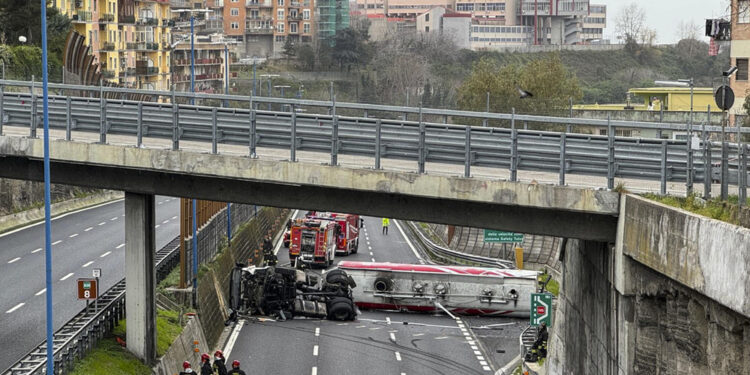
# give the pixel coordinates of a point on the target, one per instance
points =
(500, 236)
(541, 309)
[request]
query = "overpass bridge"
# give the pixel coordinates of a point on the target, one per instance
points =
(401, 168)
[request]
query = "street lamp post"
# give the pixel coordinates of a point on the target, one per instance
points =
(282, 87)
(269, 76)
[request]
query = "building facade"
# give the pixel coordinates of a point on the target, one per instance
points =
(294, 20)
(130, 39)
(740, 53)
(332, 17)
(594, 24)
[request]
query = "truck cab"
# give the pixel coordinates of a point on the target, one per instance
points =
(347, 237)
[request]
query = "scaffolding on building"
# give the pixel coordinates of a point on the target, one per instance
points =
(333, 15)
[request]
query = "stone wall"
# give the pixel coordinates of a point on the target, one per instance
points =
(17, 195)
(182, 349)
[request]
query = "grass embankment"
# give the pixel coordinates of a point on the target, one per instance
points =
(552, 286)
(727, 211)
(110, 358)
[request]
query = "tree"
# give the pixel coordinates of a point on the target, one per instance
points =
(23, 17)
(630, 26)
(546, 78)
(351, 48)
(290, 49)
(687, 29)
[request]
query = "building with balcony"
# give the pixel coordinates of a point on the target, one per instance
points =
(123, 35)
(594, 24)
(739, 55)
(209, 65)
(293, 20)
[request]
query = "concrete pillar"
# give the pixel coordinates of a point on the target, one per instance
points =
(139, 273)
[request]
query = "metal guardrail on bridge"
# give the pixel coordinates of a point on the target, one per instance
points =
(418, 141)
(80, 334)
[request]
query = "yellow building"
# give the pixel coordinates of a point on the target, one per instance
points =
(129, 38)
(674, 99)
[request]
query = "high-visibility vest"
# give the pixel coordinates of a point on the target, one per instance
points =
(386, 222)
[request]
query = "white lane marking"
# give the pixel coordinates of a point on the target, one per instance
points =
(388, 320)
(102, 223)
(157, 226)
(314, 370)
(123, 215)
(73, 235)
(486, 368)
(39, 293)
(358, 327)
(120, 246)
(88, 264)
(413, 250)
(369, 247)
(418, 334)
(375, 328)
(393, 337)
(477, 353)
(59, 217)
(14, 260)
(57, 242)
(474, 347)
(398, 356)
(113, 219)
(233, 338)
(67, 276)
(105, 254)
(165, 221)
(16, 307)
(373, 260)
(317, 331)
(36, 250)
(441, 338)
(483, 363)
(88, 229)
(160, 202)
(315, 350)
(174, 217)
(371, 254)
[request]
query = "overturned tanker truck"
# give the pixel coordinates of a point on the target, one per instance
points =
(285, 293)
(452, 289)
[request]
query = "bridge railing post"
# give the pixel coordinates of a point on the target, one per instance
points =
(32, 132)
(139, 131)
(214, 131)
(378, 147)
(252, 135)
(467, 153)
(422, 145)
(334, 134)
(707, 171)
(102, 114)
(293, 143)
(663, 177)
(741, 169)
(563, 139)
(175, 122)
(610, 154)
(68, 118)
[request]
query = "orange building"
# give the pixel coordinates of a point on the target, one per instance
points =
(740, 53)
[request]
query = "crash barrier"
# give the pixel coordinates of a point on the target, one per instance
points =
(182, 349)
(213, 285)
(538, 251)
(212, 230)
(81, 334)
(318, 126)
(446, 255)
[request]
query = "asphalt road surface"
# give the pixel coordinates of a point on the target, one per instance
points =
(378, 342)
(81, 241)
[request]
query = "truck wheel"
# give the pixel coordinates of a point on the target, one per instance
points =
(337, 276)
(340, 308)
(356, 247)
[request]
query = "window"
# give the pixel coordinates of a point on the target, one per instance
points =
(743, 11)
(427, 18)
(306, 28)
(234, 12)
(253, 14)
(280, 27)
(235, 25)
(235, 1)
(280, 15)
(280, 38)
(281, 3)
(306, 14)
(293, 28)
(742, 70)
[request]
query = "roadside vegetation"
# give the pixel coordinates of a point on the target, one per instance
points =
(553, 286)
(727, 211)
(109, 357)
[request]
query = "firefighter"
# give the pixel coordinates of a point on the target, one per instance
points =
(268, 255)
(220, 368)
(186, 368)
(267, 244)
(236, 368)
(386, 223)
(206, 365)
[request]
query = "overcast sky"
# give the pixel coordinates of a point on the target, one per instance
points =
(664, 15)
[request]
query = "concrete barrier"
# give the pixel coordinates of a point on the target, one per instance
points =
(183, 349)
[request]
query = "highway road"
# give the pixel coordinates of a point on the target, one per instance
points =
(81, 241)
(378, 342)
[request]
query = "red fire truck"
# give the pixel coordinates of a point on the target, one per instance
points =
(347, 238)
(312, 242)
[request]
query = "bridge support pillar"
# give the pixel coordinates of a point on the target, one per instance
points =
(139, 272)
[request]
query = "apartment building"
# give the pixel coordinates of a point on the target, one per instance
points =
(594, 24)
(294, 20)
(209, 66)
(448, 24)
(130, 39)
(740, 54)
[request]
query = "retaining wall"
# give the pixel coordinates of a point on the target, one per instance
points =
(182, 349)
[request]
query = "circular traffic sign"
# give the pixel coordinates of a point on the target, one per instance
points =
(724, 97)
